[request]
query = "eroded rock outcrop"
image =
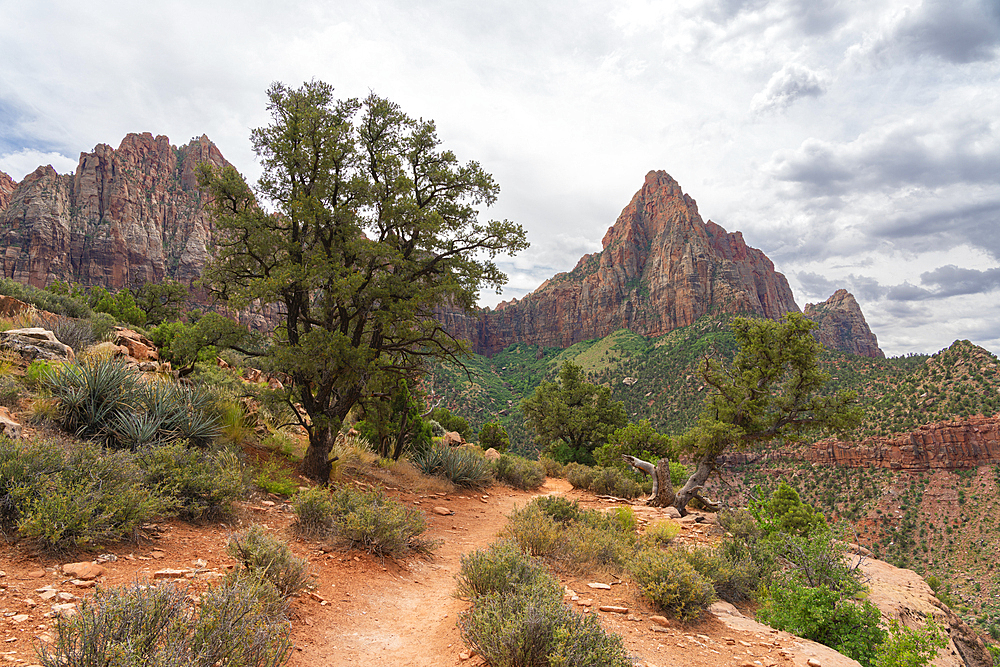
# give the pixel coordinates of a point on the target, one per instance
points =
(950, 445)
(662, 267)
(842, 326)
(128, 216)
(7, 187)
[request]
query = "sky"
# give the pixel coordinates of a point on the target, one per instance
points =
(855, 142)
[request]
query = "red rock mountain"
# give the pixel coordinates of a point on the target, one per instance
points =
(7, 185)
(662, 267)
(126, 217)
(842, 326)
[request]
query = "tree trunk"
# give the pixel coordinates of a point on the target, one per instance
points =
(316, 464)
(695, 483)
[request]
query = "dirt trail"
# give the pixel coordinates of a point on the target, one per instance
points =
(406, 617)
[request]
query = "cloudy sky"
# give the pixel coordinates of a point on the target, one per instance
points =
(856, 142)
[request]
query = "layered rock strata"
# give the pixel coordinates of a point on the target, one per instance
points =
(127, 216)
(662, 267)
(7, 187)
(842, 326)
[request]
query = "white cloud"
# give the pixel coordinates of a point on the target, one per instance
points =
(18, 165)
(790, 83)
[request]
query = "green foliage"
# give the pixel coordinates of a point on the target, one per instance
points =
(637, 439)
(367, 520)
(196, 484)
(162, 302)
(785, 512)
(264, 557)
(80, 499)
(827, 617)
(452, 422)
(559, 508)
(463, 466)
(536, 629)
(908, 647)
(535, 531)
(10, 391)
(604, 481)
(60, 304)
(572, 413)
(106, 400)
(494, 436)
(661, 533)
(184, 345)
(519, 472)
(502, 568)
(120, 306)
(82, 333)
(148, 625)
(364, 226)
(671, 583)
(275, 478)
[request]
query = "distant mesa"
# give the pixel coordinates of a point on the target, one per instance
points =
(662, 267)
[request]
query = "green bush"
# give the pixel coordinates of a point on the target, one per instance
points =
(494, 436)
(552, 467)
(519, 472)
(197, 484)
(274, 478)
(502, 568)
(559, 508)
(106, 400)
(535, 531)
(593, 545)
(579, 475)
(906, 647)
(262, 556)
(827, 617)
(460, 465)
(614, 482)
(367, 520)
(148, 625)
(535, 629)
(451, 422)
(671, 583)
(60, 304)
(93, 498)
(734, 579)
(661, 533)
(22, 466)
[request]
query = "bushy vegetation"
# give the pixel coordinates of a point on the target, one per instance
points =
(365, 520)
(152, 625)
(519, 472)
(463, 466)
(613, 481)
(671, 583)
(85, 496)
(266, 558)
(494, 436)
(518, 618)
(61, 304)
(106, 400)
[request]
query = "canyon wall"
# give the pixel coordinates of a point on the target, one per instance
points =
(128, 216)
(842, 326)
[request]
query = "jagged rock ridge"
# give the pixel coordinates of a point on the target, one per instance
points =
(127, 216)
(7, 186)
(661, 268)
(842, 326)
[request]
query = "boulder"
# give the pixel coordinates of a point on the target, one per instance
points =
(453, 438)
(8, 426)
(36, 343)
(492, 454)
(139, 347)
(84, 570)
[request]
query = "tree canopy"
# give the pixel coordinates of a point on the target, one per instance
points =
(360, 226)
(572, 417)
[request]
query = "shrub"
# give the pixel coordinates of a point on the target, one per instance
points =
(535, 629)
(661, 533)
(460, 465)
(274, 478)
(10, 391)
(451, 422)
(825, 616)
(502, 568)
(367, 520)
(559, 508)
(494, 436)
(590, 545)
(262, 556)
(106, 400)
(671, 583)
(579, 475)
(196, 484)
(61, 304)
(519, 472)
(614, 482)
(906, 647)
(94, 497)
(147, 625)
(535, 531)
(734, 579)
(552, 467)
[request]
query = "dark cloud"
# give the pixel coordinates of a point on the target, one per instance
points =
(956, 222)
(790, 83)
(959, 32)
(947, 281)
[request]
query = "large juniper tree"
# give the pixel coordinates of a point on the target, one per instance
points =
(773, 388)
(360, 226)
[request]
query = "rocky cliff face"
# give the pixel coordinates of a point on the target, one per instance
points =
(126, 217)
(7, 186)
(662, 267)
(842, 326)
